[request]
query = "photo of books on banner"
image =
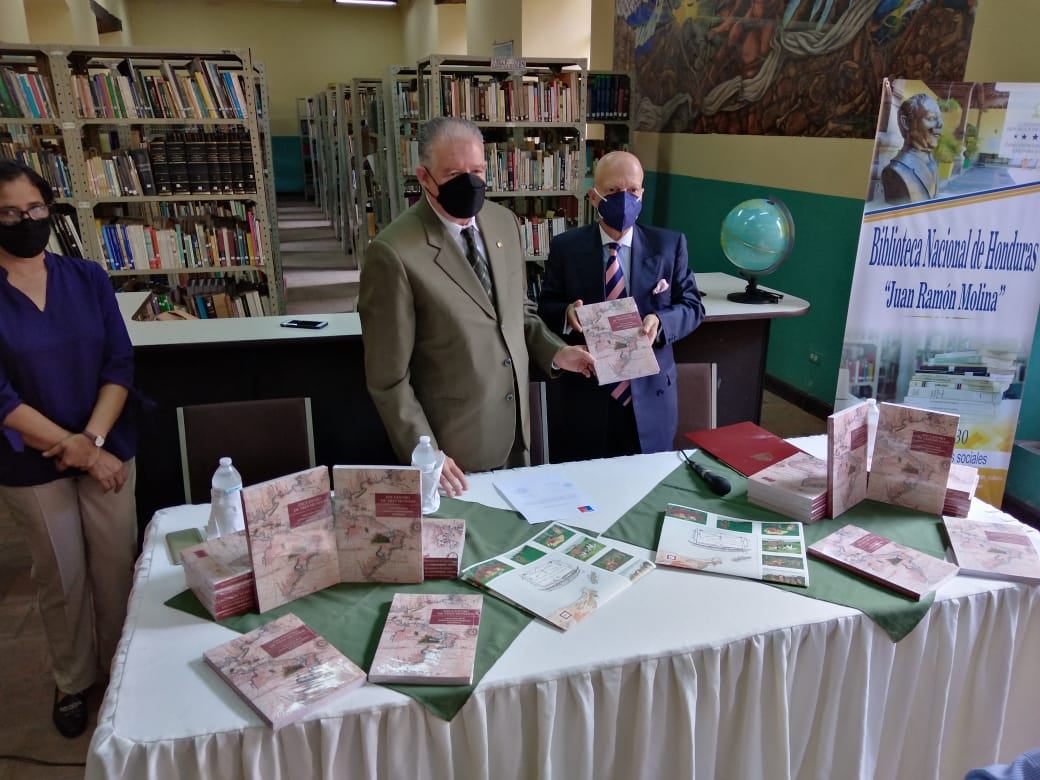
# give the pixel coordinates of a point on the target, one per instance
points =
(758, 550)
(944, 296)
(614, 334)
(560, 575)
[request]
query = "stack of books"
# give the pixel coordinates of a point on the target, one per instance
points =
(960, 489)
(443, 540)
(220, 574)
(796, 487)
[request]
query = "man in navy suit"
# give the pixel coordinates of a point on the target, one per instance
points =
(589, 420)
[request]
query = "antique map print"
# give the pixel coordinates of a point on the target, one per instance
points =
(997, 550)
(912, 456)
(292, 539)
(284, 670)
(379, 523)
(759, 550)
(904, 569)
(613, 333)
(847, 434)
(428, 638)
(561, 575)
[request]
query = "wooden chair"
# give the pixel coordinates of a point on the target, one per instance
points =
(264, 439)
(697, 384)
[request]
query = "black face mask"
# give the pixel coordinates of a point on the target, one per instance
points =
(26, 238)
(462, 196)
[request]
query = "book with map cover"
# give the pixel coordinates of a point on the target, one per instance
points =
(292, 536)
(428, 639)
(220, 574)
(1001, 551)
(896, 566)
(284, 670)
(795, 487)
(744, 446)
(613, 334)
(960, 490)
(560, 575)
(912, 455)
(759, 550)
(443, 541)
(847, 466)
(379, 523)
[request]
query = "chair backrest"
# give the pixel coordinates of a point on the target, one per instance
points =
(264, 439)
(697, 384)
(539, 424)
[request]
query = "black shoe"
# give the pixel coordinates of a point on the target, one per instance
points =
(70, 713)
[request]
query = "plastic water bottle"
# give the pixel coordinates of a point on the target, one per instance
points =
(425, 459)
(225, 514)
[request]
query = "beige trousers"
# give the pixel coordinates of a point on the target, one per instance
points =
(83, 543)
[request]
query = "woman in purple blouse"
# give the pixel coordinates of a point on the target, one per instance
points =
(67, 445)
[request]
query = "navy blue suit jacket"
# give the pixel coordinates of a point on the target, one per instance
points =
(575, 270)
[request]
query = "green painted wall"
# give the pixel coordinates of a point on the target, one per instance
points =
(819, 269)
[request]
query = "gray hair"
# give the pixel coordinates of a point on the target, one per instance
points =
(445, 127)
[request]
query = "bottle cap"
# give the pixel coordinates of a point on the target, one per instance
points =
(225, 461)
(424, 439)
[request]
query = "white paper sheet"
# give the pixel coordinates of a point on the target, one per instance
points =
(542, 496)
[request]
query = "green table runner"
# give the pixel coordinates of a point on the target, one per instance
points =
(351, 616)
(896, 614)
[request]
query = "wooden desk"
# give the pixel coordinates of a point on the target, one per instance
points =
(208, 361)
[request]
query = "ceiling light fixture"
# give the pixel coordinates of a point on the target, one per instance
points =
(367, 2)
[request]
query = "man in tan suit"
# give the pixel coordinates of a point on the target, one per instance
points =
(445, 320)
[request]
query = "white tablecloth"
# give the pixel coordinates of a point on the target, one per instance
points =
(684, 675)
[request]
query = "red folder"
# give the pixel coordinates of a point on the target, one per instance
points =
(744, 447)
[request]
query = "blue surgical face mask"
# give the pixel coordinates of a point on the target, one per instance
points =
(619, 210)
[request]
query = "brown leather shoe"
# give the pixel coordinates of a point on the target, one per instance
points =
(70, 713)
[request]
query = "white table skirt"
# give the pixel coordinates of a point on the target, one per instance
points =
(684, 675)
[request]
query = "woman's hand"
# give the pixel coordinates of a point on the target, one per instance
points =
(74, 451)
(110, 472)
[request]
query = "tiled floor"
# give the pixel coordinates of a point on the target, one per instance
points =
(319, 278)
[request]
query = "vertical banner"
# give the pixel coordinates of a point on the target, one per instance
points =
(945, 289)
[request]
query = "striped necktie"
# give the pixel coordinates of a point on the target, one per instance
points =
(480, 266)
(614, 287)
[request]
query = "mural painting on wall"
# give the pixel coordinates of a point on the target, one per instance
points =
(782, 67)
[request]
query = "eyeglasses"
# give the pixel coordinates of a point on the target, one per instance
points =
(12, 216)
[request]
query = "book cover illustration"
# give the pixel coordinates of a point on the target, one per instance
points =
(995, 550)
(443, 542)
(847, 434)
(901, 568)
(758, 550)
(960, 490)
(795, 487)
(284, 670)
(744, 447)
(428, 639)
(292, 539)
(613, 333)
(912, 455)
(379, 523)
(560, 575)
(220, 574)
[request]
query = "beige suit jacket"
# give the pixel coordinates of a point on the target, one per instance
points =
(439, 358)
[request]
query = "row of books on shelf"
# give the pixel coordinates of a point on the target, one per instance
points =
(183, 243)
(25, 93)
(65, 239)
(131, 90)
(609, 96)
(236, 296)
(181, 163)
(49, 163)
(537, 232)
(406, 100)
(511, 169)
(486, 99)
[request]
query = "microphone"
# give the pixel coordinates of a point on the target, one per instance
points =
(716, 484)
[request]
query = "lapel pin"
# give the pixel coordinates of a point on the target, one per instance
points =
(498, 244)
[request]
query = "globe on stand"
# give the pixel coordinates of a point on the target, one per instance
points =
(757, 236)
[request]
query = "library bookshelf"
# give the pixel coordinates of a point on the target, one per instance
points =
(609, 128)
(160, 160)
(368, 139)
(401, 96)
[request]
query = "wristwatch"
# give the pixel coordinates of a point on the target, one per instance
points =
(99, 441)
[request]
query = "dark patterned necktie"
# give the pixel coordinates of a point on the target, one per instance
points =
(614, 287)
(480, 266)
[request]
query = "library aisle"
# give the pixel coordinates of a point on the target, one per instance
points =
(318, 276)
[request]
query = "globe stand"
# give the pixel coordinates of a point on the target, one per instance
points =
(752, 294)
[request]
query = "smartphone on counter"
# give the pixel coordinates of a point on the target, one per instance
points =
(305, 324)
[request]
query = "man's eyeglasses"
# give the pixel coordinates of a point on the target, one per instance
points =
(12, 216)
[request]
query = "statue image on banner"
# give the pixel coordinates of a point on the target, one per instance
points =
(945, 293)
(781, 67)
